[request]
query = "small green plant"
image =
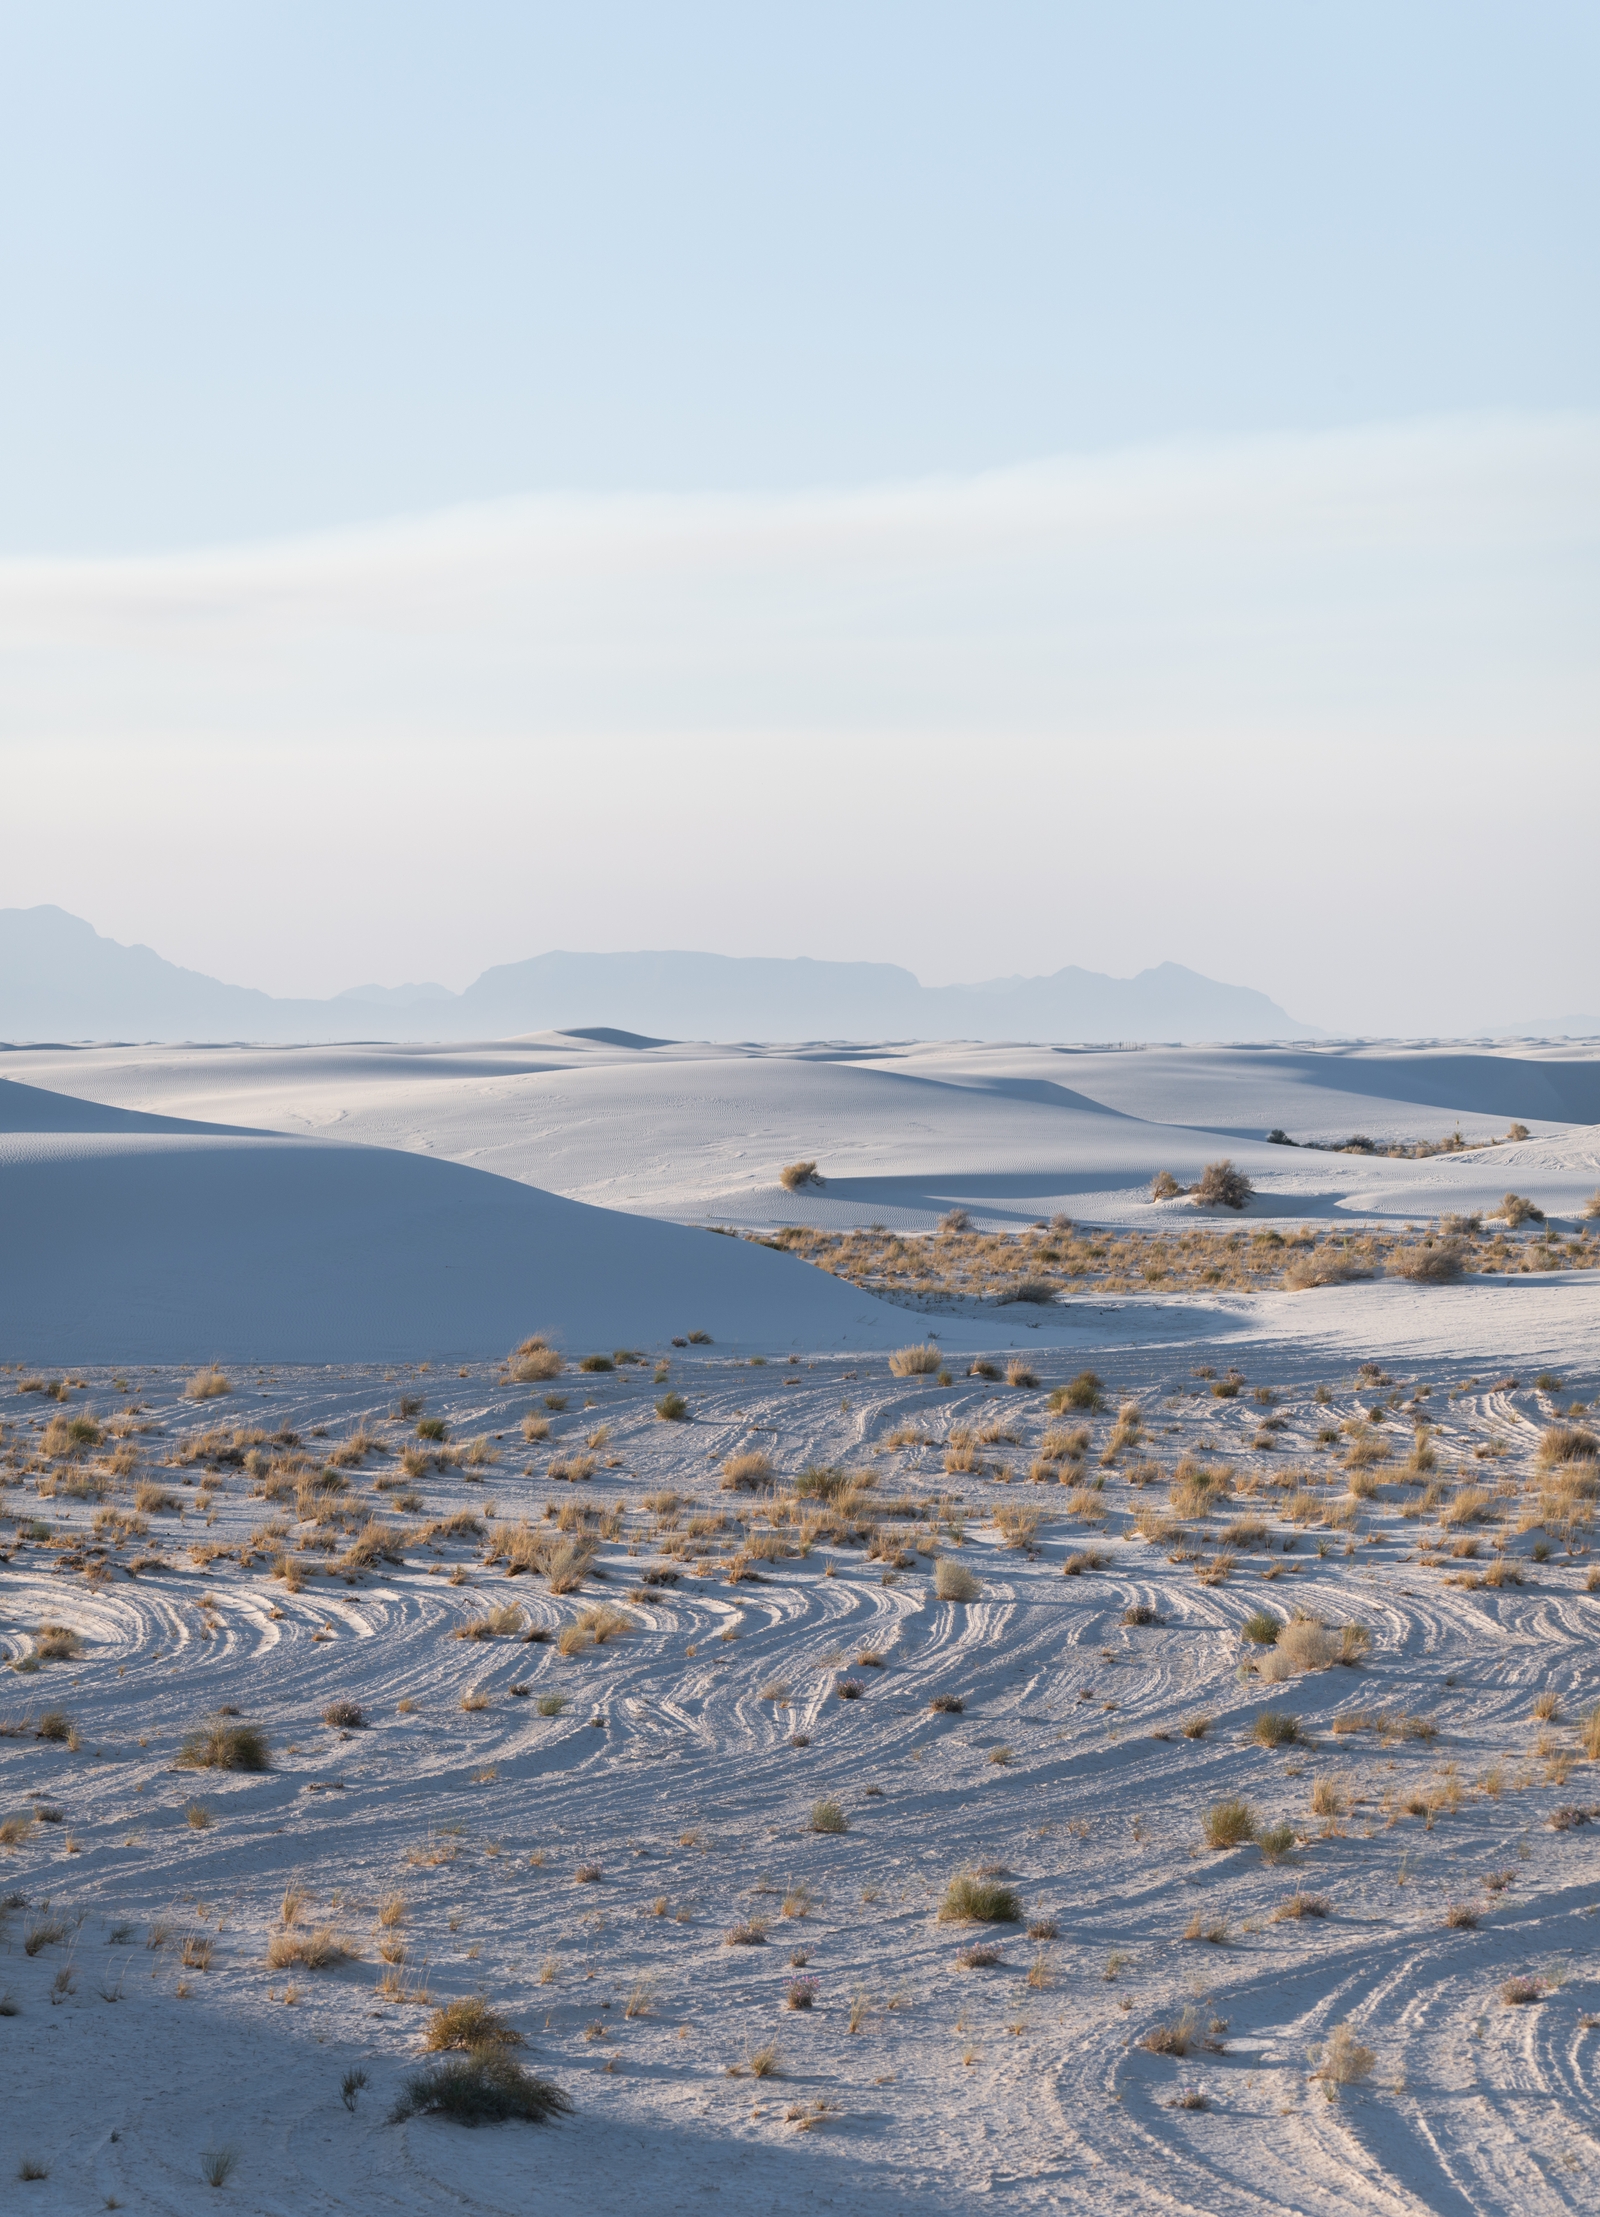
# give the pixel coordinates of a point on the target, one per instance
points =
(672, 1408)
(1262, 1627)
(432, 1428)
(1275, 1841)
(350, 2087)
(1082, 1392)
(218, 2165)
(1229, 1824)
(829, 1816)
(975, 1897)
(1275, 1728)
(484, 2086)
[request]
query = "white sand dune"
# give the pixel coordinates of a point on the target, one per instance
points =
(131, 1239)
(697, 1133)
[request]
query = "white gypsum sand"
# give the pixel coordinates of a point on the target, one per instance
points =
(1413, 1862)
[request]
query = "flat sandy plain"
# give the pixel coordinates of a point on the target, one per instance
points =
(1442, 1771)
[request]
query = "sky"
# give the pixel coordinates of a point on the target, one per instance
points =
(983, 488)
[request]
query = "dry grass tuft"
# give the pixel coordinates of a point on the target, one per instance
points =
(318, 1949)
(1345, 2062)
(220, 1746)
(207, 1385)
(1229, 1824)
(916, 1362)
(469, 2023)
(795, 1177)
(952, 1581)
(748, 1473)
(972, 1897)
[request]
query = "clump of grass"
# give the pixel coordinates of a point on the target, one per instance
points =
(220, 1746)
(344, 1716)
(1518, 1992)
(218, 2165)
(749, 1932)
(794, 1177)
(672, 1408)
(484, 2086)
(1262, 1627)
(915, 1362)
(1174, 2038)
(973, 1898)
(318, 1949)
(952, 1705)
(1345, 2062)
(469, 2023)
(747, 1473)
(1229, 1824)
(952, 1581)
(1275, 1841)
(1164, 1186)
(207, 1385)
(1300, 1905)
(1274, 1728)
(801, 1993)
(979, 1955)
(1460, 1916)
(532, 1363)
(57, 1643)
(432, 1428)
(1428, 1262)
(829, 1816)
(1082, 1392)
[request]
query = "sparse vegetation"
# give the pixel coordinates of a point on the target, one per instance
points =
(484, 2086)
(221, 1746)
(972, 1897)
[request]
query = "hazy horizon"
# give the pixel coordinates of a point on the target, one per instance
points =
(978, 494)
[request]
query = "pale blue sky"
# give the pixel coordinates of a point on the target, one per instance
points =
(270, 266)
(980, 487)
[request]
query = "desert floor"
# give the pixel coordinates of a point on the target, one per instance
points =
(576, 1835)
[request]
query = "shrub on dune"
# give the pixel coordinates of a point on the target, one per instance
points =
(1428, 1263)
(747, 1473)
(220, 1746)
(533, 1362)
(794, 1177)
(469, 2023)
(1516, 1210)
(207, 1385)
(954, 1582)
(1221, 1186)
(483, 2086)
(973, 1897)
(1321, 1266)
(1229, 1824)
(915, 1362)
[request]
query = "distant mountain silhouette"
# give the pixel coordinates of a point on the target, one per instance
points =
(60, 980)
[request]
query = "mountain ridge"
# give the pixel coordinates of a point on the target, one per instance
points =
(61, 979)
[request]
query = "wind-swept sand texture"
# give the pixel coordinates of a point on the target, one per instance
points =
(690, 1750)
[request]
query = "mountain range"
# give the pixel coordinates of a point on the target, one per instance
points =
(61, 980)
